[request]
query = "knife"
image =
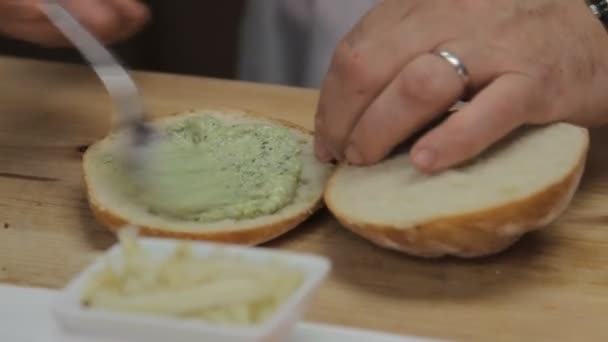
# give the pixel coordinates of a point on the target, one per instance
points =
(117, 81)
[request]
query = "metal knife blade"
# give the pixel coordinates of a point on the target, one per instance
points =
(117, 81)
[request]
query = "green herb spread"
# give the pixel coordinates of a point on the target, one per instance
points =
(205, 170)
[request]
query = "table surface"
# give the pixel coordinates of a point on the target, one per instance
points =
(552, 285)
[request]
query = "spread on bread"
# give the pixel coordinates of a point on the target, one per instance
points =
(205, 170)
(214, 175)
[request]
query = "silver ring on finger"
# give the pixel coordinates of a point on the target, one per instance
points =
(458, 65)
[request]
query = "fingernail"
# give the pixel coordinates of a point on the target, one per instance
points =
(353, 155)
(321, 152)
(424, 159)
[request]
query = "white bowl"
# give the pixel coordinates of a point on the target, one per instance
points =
(108, 326)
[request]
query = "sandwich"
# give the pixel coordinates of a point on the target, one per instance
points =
(236, 177)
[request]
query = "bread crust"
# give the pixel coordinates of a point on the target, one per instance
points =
(474, 234)
(245, 236)
(252, 236)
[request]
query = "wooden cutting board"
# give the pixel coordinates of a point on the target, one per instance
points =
(553, 285)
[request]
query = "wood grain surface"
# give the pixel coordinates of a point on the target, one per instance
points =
(552, 286)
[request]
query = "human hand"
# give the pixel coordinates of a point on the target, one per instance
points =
(529, 62)
(109, 20)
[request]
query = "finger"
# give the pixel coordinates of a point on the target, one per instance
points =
(98, 16)
(39, 32)
(133, 13)
(133, 10)
(320, 151)
(103, 18)
(14, 10)
(24, 19)
(425, 88)
(361, 67)
(498, 109)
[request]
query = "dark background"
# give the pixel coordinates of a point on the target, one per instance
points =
(195, 37)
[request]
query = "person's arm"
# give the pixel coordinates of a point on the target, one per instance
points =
(109, 20)
(527, 61)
